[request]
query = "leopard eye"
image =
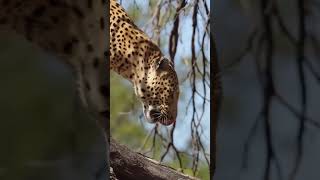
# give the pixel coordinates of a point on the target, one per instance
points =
(163, 64)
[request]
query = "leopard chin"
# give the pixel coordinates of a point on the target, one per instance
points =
(167, 122)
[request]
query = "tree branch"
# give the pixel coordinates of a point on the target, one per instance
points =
(130, 165)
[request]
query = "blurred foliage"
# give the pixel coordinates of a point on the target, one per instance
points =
(124, 127)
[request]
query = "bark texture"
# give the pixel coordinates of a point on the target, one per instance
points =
(129, 165)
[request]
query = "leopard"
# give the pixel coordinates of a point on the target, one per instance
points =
(138, 59)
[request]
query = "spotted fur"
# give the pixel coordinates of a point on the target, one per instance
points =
(72, 30)
(138, 59)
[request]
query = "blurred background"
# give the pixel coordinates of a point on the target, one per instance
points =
(269, 57)
(44, 132)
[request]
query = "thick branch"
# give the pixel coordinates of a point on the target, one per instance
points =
(130, 165)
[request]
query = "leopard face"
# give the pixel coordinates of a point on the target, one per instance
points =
(159, 92)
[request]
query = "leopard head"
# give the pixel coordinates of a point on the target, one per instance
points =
(159, 92)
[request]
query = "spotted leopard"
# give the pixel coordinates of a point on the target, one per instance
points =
(134, 56)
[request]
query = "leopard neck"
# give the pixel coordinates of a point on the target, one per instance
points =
(135, 63)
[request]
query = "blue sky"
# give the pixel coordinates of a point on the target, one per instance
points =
(183, 133)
